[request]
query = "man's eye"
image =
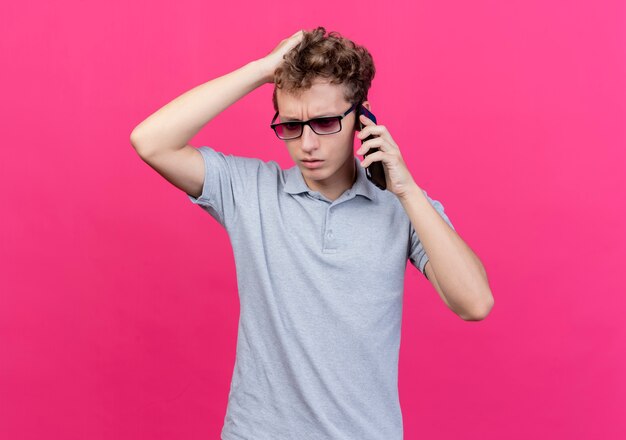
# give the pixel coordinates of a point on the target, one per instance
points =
(291, 125)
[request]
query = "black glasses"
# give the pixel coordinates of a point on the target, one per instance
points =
(324, 125)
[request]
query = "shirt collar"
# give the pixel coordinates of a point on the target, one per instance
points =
(295, 184)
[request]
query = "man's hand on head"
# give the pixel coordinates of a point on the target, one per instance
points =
(271, 61)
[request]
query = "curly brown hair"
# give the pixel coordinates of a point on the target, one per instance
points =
(330, 57)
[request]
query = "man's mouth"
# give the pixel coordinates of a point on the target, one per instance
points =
(312, 163)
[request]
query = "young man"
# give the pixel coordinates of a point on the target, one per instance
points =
(320, 251)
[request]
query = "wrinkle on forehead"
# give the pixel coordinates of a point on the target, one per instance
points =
(314, 101)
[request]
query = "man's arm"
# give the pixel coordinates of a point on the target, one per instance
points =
(453, 268)
(171, 127)
(460, 275)
(430, 275)
(162, 139)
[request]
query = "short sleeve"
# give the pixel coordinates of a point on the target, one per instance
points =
(229, 182)
(417, 254)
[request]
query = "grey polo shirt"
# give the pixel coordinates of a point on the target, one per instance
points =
(320, 291)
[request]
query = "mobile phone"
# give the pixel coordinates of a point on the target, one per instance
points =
(375, 172)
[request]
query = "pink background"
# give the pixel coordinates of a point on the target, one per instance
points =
(118, 296)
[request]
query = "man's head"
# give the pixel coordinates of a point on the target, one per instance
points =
(324, 75)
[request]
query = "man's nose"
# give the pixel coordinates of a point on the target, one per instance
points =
(310, 139)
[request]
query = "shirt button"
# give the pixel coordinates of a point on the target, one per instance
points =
(330, 234)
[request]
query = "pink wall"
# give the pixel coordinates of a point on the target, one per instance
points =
(118, 300)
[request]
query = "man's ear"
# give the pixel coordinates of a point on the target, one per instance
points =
(357, 125)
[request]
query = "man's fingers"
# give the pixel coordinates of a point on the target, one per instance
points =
(373, 143)
(377, 156)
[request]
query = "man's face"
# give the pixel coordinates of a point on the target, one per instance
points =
(335, 151)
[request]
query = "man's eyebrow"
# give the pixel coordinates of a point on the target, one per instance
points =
(293, 118)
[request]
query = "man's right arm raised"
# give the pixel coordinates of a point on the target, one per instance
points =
(162, 139)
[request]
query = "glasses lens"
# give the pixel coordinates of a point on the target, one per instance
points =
(288, 130)
(326, 125)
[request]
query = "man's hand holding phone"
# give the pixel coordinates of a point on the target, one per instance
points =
(397, 176)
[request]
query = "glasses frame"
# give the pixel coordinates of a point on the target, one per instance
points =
(303, 123)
